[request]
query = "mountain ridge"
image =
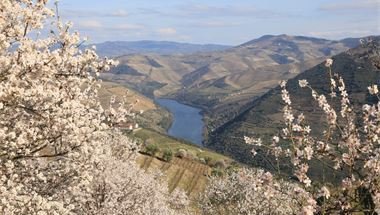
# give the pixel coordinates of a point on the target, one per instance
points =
(359, 67)
(119, 48)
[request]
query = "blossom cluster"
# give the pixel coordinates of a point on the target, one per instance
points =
(250, 191)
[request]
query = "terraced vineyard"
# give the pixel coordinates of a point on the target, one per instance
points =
(186, 174)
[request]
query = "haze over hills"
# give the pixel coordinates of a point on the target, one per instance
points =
(118, 48)
(223, 82)
(359, 67)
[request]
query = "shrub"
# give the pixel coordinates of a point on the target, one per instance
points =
(191, 156)
(168, 155)
(151, 149)
(220, 164)
(207, 160)
(202, 160)
(181, 153)
(216, 172)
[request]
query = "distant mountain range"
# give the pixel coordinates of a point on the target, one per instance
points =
(359, 67)
(222, 82)
(118, 48)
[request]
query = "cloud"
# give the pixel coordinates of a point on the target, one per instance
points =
(228, 10)
(334, 34)
(92, 13)
(217, 10)
(204, 10)
(352, 5)
(170, 33)
(97, 25)
(150, 11)
(127, 27)
(119, 13)
(167, 31)
(214, 24)
(88, 24)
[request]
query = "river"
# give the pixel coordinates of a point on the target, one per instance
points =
(187, 121)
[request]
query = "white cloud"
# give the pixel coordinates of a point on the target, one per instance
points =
(215, 24)
(217, 10)
(98, 26)
(229, 10)
(93, 13)
(198, 10)
(341, 33)
(127, 27)
(167, 31)
(352, 5)
(88, 24)
(119, 13)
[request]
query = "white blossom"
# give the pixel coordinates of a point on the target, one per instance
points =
(328, 62)
(253, 192)
(303, 83)
(373, 89)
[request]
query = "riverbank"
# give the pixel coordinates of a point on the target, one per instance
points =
(187, 120)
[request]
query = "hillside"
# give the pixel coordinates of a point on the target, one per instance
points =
(190, 176)
(149, 114)
(190, 172)
(247, 71)
(359, 67)
(221, 82)
(118, 48)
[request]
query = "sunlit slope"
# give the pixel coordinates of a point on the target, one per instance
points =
(149, 115)
(189, 173)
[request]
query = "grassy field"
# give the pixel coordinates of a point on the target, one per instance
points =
(166, 142)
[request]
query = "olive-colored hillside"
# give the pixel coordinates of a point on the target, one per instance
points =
(149, 115)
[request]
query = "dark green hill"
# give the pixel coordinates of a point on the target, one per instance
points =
(359, 67)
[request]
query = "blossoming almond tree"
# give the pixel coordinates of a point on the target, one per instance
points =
(349, 144)
(250, 191)
(58, 151)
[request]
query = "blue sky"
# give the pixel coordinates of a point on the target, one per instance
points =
(220, 21)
